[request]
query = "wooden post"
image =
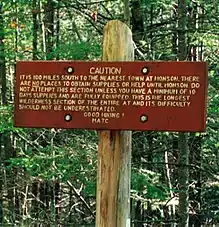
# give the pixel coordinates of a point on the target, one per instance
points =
(114, 150)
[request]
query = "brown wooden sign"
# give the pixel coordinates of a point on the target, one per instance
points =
(161, 96)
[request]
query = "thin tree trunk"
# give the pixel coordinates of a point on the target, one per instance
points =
(49, 25)
(175, 144)
(7, 150)
(195, 141)
(137, 21)
(3, 82)
(172, 208)
(57, 27)
(35, 28)
(174, 33)
(149, 136)
(183, 174)
(3, 100)
(151, 46)
(127, 12)
(139, 207)
(9, 178)
(183, 180)
(34, 188)
(34, 201)
(195, 195)
(41, 19)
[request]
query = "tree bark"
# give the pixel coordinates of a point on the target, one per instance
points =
(3, 82)
(183, 175)
(49, 26)
(195, 142)
(7, 151)
(137, 21)
(127, 12)
(35, 28)
(183, 171)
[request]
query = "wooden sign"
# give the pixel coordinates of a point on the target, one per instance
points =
(161, 96)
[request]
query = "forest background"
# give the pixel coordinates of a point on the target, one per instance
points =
(48, 176)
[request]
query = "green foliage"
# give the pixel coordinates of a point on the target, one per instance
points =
(76, 51)
(211, 201)
(45, 155)
(75, 163)
(6, 123)
(147, 184)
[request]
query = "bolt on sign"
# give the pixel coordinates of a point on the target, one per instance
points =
(161, 96)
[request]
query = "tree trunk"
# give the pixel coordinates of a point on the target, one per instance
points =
(3, 84)
(171, 209)
(149, 136)
(3, 100)
(127, 12)
(35, 28)
(137, 21)
(195, 173)
(57, 27)
(195, 141)
(49, 26)
(10, 177)
(34, 188)
(7, 150)
(183, 174)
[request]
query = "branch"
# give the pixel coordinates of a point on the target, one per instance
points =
(77, 193)
(31, 143)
